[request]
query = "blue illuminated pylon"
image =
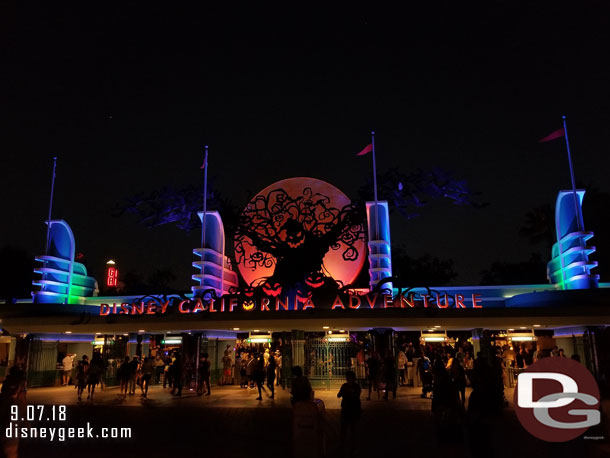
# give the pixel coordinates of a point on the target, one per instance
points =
(569, 267)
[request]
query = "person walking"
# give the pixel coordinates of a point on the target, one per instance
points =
(148, 369)
(123, 376)
(250, 370)
(271, 367)
(204, 375)
(259, 376)
(81, 376)
(94, 374)
(133, 371)
(351, 410)
(425, 372)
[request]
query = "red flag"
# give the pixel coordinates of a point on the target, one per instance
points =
(367, 149)
(557, 134)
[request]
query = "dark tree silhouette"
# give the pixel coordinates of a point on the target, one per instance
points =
(407, 192)
(17, 273)
(295, 233)
(539, 226)
(516, 273)
(180, 206)
(425, 270)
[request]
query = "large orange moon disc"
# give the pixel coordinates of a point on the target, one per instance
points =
(334, 264)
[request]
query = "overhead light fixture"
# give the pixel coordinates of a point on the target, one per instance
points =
(523, 338)
(511, 329)
(111, 262)
(172, 341)
(68, 332)
(522, 327)
(436, 327)
(125, 334)
(235, 329)
(325, 327)
(256, 330)
(141, 330)
(337, 338)
(259, 340)
(433, 339)
(536, 325)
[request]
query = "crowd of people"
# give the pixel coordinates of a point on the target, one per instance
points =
(257, 366)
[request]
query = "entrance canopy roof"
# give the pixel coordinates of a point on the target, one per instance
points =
(537, 306)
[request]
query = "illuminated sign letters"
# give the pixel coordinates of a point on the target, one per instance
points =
(291, 303)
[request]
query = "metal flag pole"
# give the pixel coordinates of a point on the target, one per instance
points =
(46, 249)
(205, 198)
(375, 187)
(578, 221)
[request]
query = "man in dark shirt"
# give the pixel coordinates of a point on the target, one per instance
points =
(351, 410)
(301, 388)
(204, 375)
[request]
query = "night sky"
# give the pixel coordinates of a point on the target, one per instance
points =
(126, 97)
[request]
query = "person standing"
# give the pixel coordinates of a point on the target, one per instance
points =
(177, 376)
(227, 365)
(458, 375)
(278, 366)
(243, 365)
(351, 410)
(67, 362)
(167, 371)
(159, 365)
(14, 390)
(389, 374)
(402, 365)
(271, 367)
(425, 372)
(301, 388)
(373, 374)
(204, 375)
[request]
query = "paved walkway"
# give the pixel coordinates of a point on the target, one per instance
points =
(408, 398)
(231, 423)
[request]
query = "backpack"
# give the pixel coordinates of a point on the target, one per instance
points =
(426, 364)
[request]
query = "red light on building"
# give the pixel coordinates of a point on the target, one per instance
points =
(112, 276)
